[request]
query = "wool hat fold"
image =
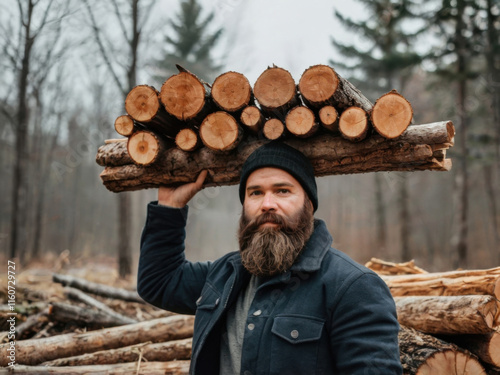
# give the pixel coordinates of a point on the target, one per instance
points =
(279, 155)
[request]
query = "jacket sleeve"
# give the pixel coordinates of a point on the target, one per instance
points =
(165, 278)
(364, 332)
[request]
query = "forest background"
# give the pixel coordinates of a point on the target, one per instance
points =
(66, 67)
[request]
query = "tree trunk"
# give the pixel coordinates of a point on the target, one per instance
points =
(391, 115)
(380, 214)
(470, 314)
(404, 217)
(486, 347)
(353, 124)
(232, 92)
(423, 354)
(35, 351)
(162, 351)
(300, 122)
(66, 313)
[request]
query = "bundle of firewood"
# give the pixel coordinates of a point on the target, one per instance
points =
(188, 125)
(450, 321)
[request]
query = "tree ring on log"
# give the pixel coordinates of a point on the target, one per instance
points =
(231, 91)
(301, 122)
(183, 95)
(143, 147)
(391, 115)
(318, 84)
(353, 124)
(187, 139)
(142, 103)
(124, 125)
(220, 131)
(274, 88)
(273, 129)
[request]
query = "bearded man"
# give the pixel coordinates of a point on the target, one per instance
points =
(286, 302)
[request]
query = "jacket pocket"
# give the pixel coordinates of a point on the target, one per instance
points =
(206, 306)
(295, 344)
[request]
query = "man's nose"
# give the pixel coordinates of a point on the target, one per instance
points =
(268, 202)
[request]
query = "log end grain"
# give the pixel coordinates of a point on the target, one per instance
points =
(142, 103)
(353, 124)
(187, 140)
(183, 95)
(143, 147)
(124, 125)
(391, 115)
(220, 131)
(329, 118)
(273, 129)
(451, 362)
(274, 88)
(318, 84)
(252, 118)
(231, 91)
(300, 121)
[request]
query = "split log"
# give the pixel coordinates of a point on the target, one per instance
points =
(186, 97)
(66, 313)
(252, 118)
(97, 289)
(78, 295)
(232, 92)
(329, 118)
(448, 315)
(320, 85)
(486, 347)
(273, 129)
(391, 115)
(144, 147)
(220, 131)
(300, 121)
(388, 268)
(162, 351)
(187, 139)
(143, 105)
(353, 124)
(374, 154)
(276, 92)
(35, 351)
(143, 368)
(423, 354)
(124, 125)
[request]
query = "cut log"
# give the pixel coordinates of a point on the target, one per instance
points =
(97, 289)
(124, 125)
(486, 347)
(162, 351)
(276, 92)
(142, 368)
(448, 315)
(114, 153)
(66, 313)
(187, 139)
(423, 354)
(273, 129)
(329, 118)
(78, 295)
(144, 147)
(35, 351)
(353, 124)
(220, 131)
(391, 115)
(252, 118)
(300, 121)
(389, 268)
(320, 85)
(232, 92)
(186, 97)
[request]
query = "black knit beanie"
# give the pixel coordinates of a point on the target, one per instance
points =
(279, 155)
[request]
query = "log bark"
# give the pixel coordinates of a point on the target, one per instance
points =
(389, 268)
(276, 92)
(187, 139)
(143, 368)
(448, 315)
(144, 147)
(301, 122)
(273, 129)
(391, 115)
(353, 124)
(486, 347)
(66, 313)
(252, 118)
(423, 354)
(97, 289)
(232, 92)
(329, 155)
(113, 154)
(78, 295)
(329, 118)
(321, 85)
(162, 351)
(35, 351)
(219, 131)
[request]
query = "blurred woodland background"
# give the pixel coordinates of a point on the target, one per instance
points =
(66, 67)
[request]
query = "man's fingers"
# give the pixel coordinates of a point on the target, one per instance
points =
(201, 178)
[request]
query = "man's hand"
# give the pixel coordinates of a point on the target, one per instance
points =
(179, 196)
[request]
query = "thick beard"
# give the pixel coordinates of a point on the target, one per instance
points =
(270, 251)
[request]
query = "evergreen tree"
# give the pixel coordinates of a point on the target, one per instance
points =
(191, 45)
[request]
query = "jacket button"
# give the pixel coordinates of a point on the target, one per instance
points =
(198, 301)
(257, 313)
(294, 334)
(217, 301)
(251, 326)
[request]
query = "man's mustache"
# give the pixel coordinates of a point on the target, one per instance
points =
(268, 217)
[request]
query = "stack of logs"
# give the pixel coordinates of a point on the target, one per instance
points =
(189, 125)
(449, 325)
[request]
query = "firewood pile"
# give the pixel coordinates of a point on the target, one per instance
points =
(449, 325)
(189, 125)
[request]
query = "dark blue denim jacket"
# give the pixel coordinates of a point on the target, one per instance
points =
(326, 315)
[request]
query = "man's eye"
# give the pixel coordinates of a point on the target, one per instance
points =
(283, 191)
(255, 192)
